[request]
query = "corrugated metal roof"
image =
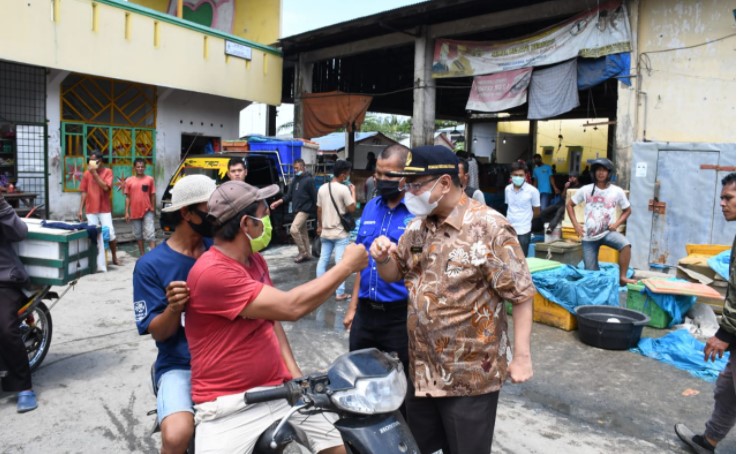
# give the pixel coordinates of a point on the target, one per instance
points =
(336, 140)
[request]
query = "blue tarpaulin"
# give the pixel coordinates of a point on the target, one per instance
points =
(571, 287)
(593, 71)
(682, 350)
(720, 263)
(674, 305)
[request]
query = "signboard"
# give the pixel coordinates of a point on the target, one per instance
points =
(600, 31)
(238, 50)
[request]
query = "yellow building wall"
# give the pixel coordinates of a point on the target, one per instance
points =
(592, 141)
(104, 39)
(254, 20)
(258, 20)
(688, 86)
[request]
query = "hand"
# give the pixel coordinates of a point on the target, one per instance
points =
(613, 227)
(127, 217)
(348, 319)
(714, 347)
(579, 230)
(276, 204)
(177, 295)
(80, 216)
(381, 248)
(520, 369)
(355, 257)
(318, 230)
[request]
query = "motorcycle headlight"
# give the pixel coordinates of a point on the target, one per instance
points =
(373, 395)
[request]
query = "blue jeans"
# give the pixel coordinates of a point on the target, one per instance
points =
(545, 198)
(326, 251)
(614, 240)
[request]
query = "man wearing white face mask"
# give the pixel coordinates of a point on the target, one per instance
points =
(523, 204)
(460, 261)
(232, 329)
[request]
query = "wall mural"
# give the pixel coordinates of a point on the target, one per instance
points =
(217, 14)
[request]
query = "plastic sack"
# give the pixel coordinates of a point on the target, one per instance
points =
(720, 264)
(106, 236)
(571, 287)
(674, 305)
(680, 349)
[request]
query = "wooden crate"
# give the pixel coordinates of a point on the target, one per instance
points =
(56, 256)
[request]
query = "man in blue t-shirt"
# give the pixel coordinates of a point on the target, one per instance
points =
(544, 181)
(158, 305)
(377, 314)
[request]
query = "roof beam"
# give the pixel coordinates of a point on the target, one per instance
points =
(507, 18)
(485, 22)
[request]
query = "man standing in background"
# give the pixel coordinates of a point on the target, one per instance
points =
(302, 195)
(544, 181)
(140, 200)
(723, 416)
(333, 199)
(523, 204)
(96, 188)
(237, 170)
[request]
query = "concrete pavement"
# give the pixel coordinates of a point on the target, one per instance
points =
(94, 387)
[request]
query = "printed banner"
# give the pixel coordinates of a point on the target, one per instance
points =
(601, 31)
(499, 92)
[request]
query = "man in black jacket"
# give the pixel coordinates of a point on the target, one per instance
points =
(302, 195)
(13, 277)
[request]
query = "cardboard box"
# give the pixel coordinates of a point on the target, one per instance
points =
(56, 256)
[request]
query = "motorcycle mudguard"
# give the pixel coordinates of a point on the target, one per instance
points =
(289, 433)
(386, 433)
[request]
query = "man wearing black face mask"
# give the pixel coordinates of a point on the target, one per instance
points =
(377, 314)
(159, 275)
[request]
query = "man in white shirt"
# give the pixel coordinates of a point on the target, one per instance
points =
(523, 204)
(600, 225)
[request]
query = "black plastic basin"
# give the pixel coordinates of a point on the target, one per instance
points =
(609, 327)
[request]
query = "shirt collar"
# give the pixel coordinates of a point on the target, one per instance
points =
(455, 218)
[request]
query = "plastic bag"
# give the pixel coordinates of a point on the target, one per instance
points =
(571, 287)
(682, 350)
(720, 263)
(674, 305)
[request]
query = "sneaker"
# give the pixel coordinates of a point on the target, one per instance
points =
(698, 443)
(26, 401)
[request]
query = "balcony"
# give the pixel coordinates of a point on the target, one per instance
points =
(125, 41)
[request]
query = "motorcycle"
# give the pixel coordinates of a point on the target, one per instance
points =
(36, 327)
(364, 388)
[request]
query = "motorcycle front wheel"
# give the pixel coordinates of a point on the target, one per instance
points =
(35, 331)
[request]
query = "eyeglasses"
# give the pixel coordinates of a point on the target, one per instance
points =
(414, 187)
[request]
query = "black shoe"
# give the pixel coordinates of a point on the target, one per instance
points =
(698, 443)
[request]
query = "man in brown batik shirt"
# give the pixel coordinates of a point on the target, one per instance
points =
(460, 261)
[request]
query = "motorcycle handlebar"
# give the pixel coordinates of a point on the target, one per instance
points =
(287, 391)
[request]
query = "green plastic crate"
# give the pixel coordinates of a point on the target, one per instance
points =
(641, 302)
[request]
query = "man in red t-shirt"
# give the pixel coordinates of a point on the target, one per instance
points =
(230, 325)
(96, 188)
(140, 199)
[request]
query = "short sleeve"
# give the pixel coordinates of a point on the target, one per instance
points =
(85, 181)
(108, 178)
(152, 184)
(535, 196)
(403, 255)
(149, 298)
(506, 195)
(578, 196)
(623, 202)
(234, 289)
(127, 189)
(320, 193)
(506, 268)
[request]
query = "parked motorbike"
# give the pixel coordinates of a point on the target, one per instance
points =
(364, 388)
(35, 324)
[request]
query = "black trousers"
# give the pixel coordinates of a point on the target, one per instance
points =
(382, 326)
(457, 425)
(12, 351)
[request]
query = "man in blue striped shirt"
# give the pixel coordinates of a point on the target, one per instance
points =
(377, 314)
